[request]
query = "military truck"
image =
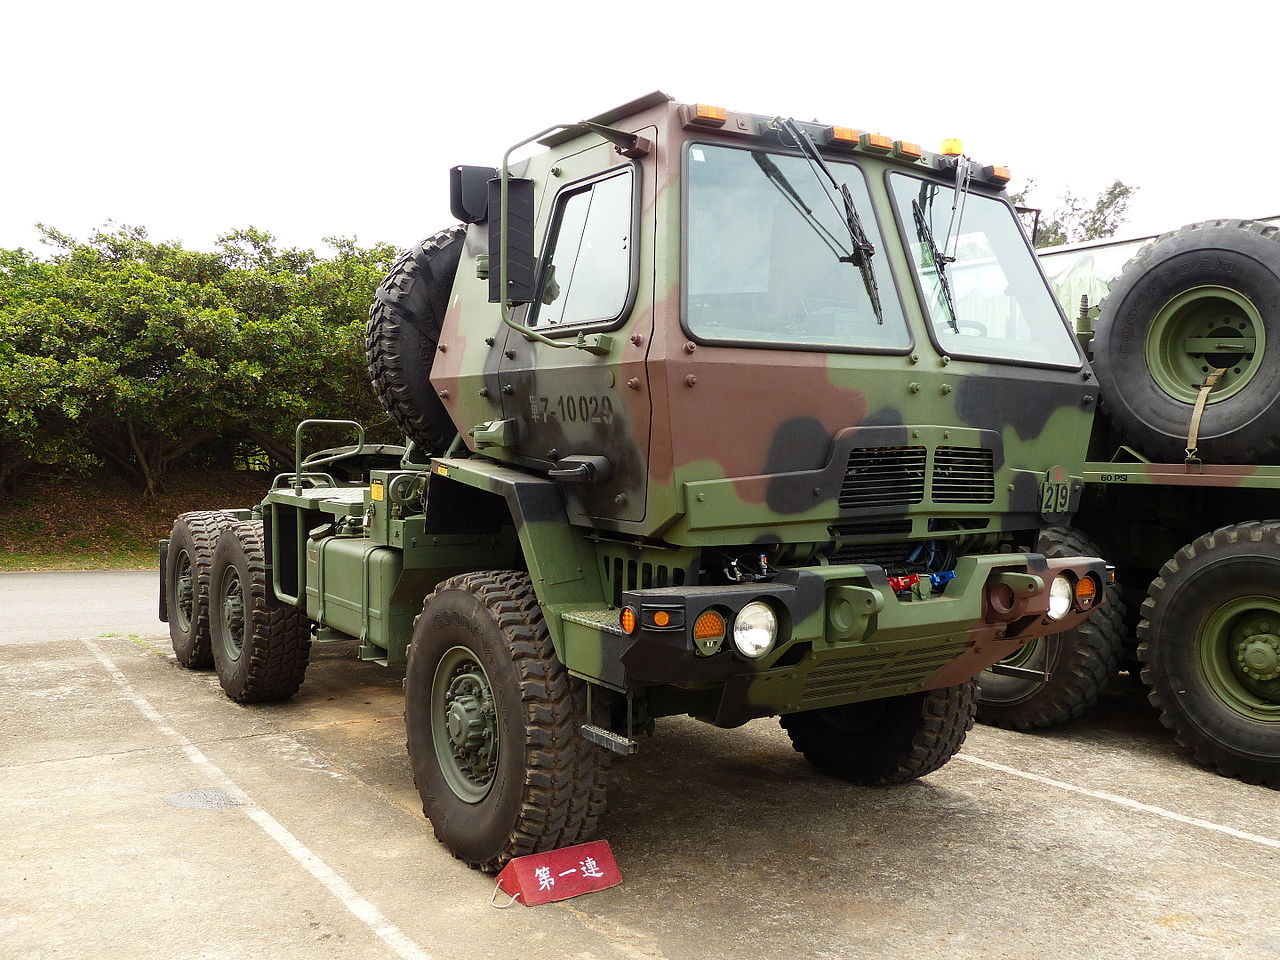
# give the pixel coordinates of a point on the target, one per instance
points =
(693, 427)
(1182, 492)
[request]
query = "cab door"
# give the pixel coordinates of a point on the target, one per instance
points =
(595, 277)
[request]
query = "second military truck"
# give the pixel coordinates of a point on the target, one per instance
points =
(1182, 493)
(695, 426)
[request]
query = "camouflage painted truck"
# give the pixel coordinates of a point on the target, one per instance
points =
(1182, 493)
(693, 428)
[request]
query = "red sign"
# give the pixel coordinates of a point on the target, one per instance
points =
(560, 874)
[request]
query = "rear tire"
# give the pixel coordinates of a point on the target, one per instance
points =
(1156, 330)
(260, 646)
(493, 719)
(403, 332)
(1080, 662)
(883, 742)
(186, 584)
(1210, 650)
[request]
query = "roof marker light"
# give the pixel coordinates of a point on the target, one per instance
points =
(877, 141)
(997, 174)
(903, 148)
(709, 115)
(846, 135)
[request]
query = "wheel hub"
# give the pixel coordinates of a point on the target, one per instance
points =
(1258, 656)
(1240, 655)
(233, 616)
(1201, 330)
(469, 721)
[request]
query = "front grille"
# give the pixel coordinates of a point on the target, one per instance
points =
(880, 476)
(963, 475)
(623, 574)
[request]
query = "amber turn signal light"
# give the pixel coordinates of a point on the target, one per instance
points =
(628, 620)
(708, 626)
(1086, 592)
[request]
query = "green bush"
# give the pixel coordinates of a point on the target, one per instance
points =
(138, 356)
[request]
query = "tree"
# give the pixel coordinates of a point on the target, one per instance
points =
(1075, 219)
(134, 354)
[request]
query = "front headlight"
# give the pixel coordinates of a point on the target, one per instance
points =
(754, 629)
(1061, 593)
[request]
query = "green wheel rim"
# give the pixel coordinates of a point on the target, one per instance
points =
(184, 593)
(1024, 654)
(1240, 656)
(1199, 331)
(464, 724)
(233, 621)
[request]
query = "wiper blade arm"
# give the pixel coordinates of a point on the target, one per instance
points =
(940, 261)
(863, 249)
(779, 180)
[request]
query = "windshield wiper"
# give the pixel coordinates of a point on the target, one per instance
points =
(940, 261)
(779, 180)
(863, 249)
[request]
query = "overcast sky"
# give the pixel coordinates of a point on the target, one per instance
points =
(317, 119)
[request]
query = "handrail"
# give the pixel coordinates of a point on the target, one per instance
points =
(297, 448)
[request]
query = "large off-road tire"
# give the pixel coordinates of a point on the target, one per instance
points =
(493, 721)
(260, 646)
(882, 742)
(1080, 662)
(186, 584)
(1158, 337)
(1210, 648)
(402, 334)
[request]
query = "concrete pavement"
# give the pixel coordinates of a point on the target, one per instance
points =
(147, 816)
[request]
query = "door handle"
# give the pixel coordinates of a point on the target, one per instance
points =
(578, 469)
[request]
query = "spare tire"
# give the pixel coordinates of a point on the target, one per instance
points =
(402, 333)
(1200, 299)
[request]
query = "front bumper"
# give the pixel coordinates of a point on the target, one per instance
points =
(845, 635)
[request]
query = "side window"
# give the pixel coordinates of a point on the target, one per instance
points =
(586, 275)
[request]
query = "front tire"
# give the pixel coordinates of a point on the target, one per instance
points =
(493, 719)
(260, 646)
(1210, 650)
(883, 742)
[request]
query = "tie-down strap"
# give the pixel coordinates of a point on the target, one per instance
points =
(1193, 434)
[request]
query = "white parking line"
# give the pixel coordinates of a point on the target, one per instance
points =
(361, 908)
(1124, 802)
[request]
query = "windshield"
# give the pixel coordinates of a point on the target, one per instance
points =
(763, 255)
(1003, 310)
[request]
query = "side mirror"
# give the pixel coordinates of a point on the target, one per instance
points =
(469, 192)
(519, 241)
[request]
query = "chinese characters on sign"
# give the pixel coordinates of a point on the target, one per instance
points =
(560, 874)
